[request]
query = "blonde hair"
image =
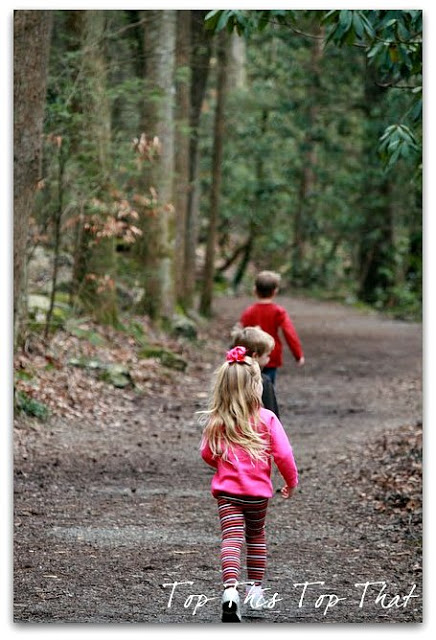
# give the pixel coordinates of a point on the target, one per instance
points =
(254, 339)
(233, 415)
(266, 283)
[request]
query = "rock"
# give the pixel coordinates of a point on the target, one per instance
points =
(184, 327)
(35, 301)
(166, 357)
(116, 374)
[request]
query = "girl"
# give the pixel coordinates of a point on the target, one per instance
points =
(259, 345)
(239, 440)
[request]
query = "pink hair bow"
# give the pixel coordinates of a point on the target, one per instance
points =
(237, 354)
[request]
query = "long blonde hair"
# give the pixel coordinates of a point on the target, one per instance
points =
(233, 415)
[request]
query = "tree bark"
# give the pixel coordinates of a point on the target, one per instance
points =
(209, 269)
(182, 138)
(200, 59)
(57, 218)
(376, 267)
(95, 267)
(307, 177)
(32, 33)
(237, 76)
(97, 112)
(158, 226)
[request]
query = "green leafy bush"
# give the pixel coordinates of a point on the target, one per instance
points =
(31, 407)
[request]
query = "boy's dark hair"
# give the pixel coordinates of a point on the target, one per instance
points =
(266, 283)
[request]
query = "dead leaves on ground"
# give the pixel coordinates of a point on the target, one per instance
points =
(65, 376)
(388, 477)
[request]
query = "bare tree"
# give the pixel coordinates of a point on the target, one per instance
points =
(182, 138)
(209, 269)
(201, 49)
(30, 83)
(157, 244)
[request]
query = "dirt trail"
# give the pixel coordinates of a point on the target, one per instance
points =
(109, 516)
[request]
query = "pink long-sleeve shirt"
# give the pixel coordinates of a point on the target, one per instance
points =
(240, 475)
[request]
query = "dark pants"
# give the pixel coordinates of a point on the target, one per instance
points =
(271, 372)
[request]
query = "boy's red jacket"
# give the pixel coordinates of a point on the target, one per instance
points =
(271, 317)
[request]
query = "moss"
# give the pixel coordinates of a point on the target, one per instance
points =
(166, 357)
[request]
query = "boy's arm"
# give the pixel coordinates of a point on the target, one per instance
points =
(291, 337)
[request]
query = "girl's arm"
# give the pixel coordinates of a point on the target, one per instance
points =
(282, 453)
(287, 492)
(207, 455)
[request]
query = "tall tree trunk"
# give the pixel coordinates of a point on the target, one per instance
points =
(57, 218)
(307, 176)
(413, 267)
(237, 76)
(30, 83)
(200, 59)
(209, 269)
(158, 239)
(376, 248)
(95, 261)
(102, 261)
(376, 268)
(182, 138)
(246, 257)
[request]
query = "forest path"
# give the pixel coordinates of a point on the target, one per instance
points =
(109, 516)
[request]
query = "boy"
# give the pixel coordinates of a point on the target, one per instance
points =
(271, 317)
(259, 345)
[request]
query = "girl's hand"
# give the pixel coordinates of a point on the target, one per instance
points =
(287, 491)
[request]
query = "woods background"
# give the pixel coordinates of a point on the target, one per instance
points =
(163, 156)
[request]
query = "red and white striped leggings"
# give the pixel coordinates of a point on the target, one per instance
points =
(240, 518)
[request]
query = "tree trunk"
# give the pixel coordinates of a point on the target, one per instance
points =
(307, 177)
(57, 218)
(30, 82)
(246, 257)
(209, 270)
(237, 76)
(95, 262)
(182, 138)
(376, 268)
(200, 58)
(376, 248)
(102, 261)
(158, 227)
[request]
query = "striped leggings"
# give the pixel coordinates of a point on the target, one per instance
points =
(239, 518)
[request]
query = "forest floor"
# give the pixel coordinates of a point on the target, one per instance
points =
(112, 503)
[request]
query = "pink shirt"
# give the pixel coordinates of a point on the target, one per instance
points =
(240, 475)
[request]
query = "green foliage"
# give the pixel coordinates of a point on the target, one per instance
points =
(398, 141)
(244, 22)
(30, 406)
(301, 116)
(302, 178)
(392, 41)
(168, 358)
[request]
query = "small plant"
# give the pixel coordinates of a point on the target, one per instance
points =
(31, 407)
